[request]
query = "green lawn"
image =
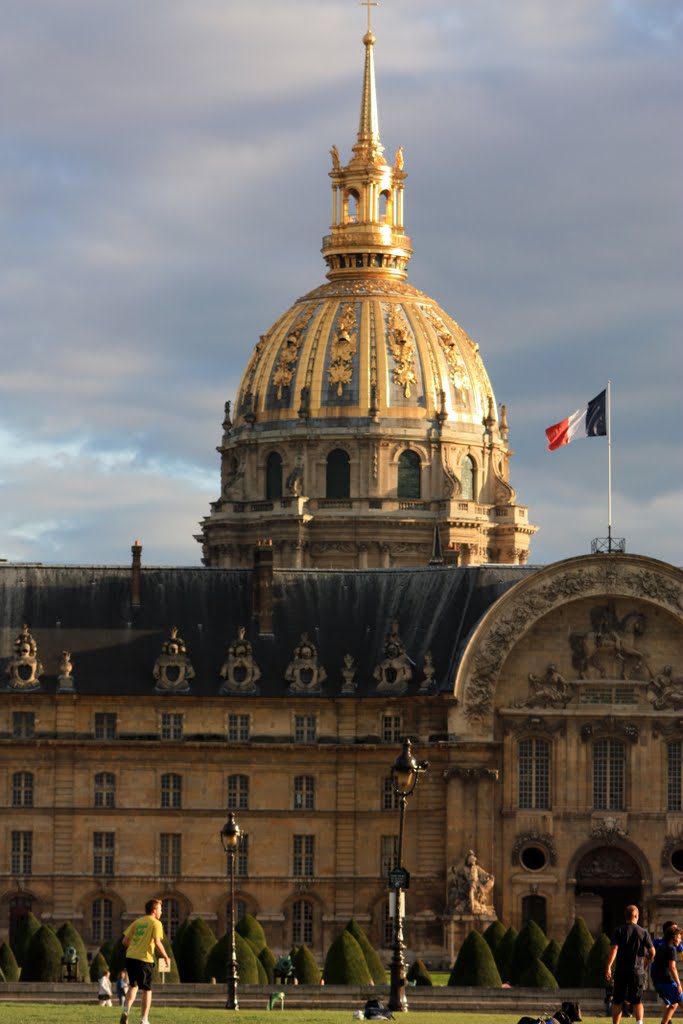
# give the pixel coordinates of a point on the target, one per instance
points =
(32, 1013)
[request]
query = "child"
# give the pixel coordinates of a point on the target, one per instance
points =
(121, 987)
(104, 992)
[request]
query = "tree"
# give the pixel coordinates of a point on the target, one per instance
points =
(573, 956)
(249, 928)
(596, 963)
(68, 935)
(494, 934)
(27, 926)
(503, 953)
(375, 965)
(267, 958)
(43, 960)
(345, 963)
(98, 965)
(217, 961)
(198, 941)
(306, 967)
(537, 975)
(419, 973)
(529, 945)
(475, 964)
(8, 962)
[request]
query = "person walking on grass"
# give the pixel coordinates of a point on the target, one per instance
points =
(632, 948)
(141, 939)
(665, 973)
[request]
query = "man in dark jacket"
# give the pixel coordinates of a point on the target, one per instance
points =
(632, 948)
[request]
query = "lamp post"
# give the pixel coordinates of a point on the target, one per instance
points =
(230, 834)
(405, 772)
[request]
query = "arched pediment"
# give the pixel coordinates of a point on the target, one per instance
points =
(607, 578)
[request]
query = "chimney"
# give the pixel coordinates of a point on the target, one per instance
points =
(262, 594)
(135, 574)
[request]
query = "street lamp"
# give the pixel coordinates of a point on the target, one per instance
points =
(230, 834)
(405, 772)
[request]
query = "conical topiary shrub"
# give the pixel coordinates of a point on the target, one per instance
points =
(419, 974)
(503, 953)
(70, 936)
(267, 958)
(494, 935)
(8, 962)
(596, 964)
(475, 965)
(217, 961)
(25, 929)
(375, 965)
(172, 976)
(178, 939)
(551, 955)
(571, 962)
(529, 946)
(117, 957)
(198, 941)
(98, 965)
(106, 950)
(537, 975)
(306, 968)
(249, 928)
(345, 963)
(43, 960)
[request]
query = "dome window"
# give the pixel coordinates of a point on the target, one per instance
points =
(409, 470)
(338, 476)
(273, 476)
(467, 478)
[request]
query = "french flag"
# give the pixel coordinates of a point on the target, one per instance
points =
(591, 421)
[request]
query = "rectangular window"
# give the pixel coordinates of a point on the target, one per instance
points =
(242, 857)
(304, 848)
(608, 775)
(22, 789)
(302, 923)
(391, 728)
(105, 789)
(391, 801)
(102, 920)
(305, 728)
(23, 725)
(103, 853)
(171, 726)
(170, 850)
(534, 774)
(304, 793)
(171, 791)
(389, 855)
(238, 728)
(238, 792)
(673, 776)
(22, 853)
(105, 725)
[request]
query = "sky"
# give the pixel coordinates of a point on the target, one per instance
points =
(163, 194)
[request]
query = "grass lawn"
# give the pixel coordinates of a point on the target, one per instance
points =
(33, 1013)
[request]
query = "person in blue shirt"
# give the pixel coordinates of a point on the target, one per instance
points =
(665, 973)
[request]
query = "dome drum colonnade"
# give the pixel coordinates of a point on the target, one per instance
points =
(365, 419)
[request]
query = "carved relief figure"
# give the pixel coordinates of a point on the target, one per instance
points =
(666, 690)
(294, 484)
(470, 888)
(304, 674)
(234, 474)
(393, 673)
(349, 674)
(428, 673)
(24, 669)
(240, 671)
(609, 648)
(549, 690)
(173, 669)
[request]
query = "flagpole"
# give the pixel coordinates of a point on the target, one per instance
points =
(609, 471)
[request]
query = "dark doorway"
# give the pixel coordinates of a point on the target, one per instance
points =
(607, 880)
(19, 908)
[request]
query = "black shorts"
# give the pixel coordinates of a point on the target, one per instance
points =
(628, 986)
(140, 974)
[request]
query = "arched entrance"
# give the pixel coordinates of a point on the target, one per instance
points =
(607, 880)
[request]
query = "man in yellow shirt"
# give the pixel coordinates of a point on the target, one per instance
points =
(141, 939)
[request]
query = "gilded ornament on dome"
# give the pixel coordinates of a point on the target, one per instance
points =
(402, 349)
(457, 369)
(289, 352)
(343, 349)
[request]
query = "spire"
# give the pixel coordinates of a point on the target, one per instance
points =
(368, 128)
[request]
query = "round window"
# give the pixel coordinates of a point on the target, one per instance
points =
(534, 858)
(677, 859)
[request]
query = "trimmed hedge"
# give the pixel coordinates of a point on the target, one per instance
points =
(68, 935)
(8, 962)
(306, 967)
(345, 963)
(529, 946)
(573, 957)
(267, 958)
(375, 965)
(26, 928)
(503, 953)
(537, 975)
(43, 960)
(596, 964)
(494, 934)
(551, 955)
(419, 973)
(98, 966)
(198, 941)
(171, 977)
(475, 965)
(249, 928)
(247, 964)
(117, 957)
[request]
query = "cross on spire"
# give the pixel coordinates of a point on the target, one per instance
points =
(369, 4)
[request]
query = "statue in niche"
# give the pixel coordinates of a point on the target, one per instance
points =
(610, 649)
(24, 669)
(349, 675)
(666, 690)
(303, 673)
(234, 475)
(549, 690)
(470, 888)
(428, 673)
(294, 483)
(240, 671)
(393, 673)
(65, 680)
(173, 669)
